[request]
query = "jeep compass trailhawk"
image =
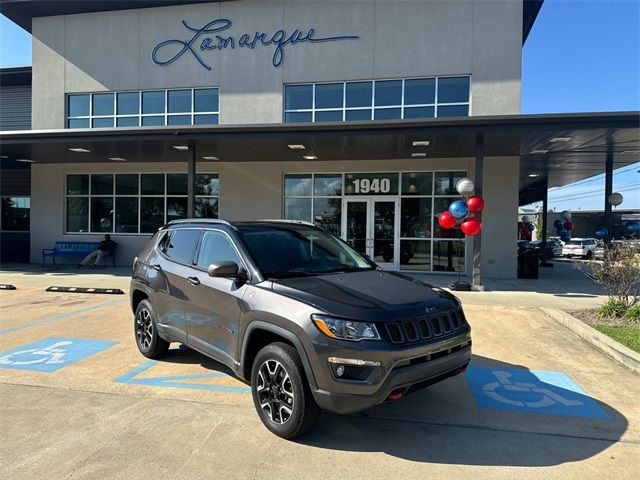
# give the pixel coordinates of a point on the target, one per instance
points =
(308, 321)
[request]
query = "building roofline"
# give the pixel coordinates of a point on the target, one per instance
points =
(15, 76)
(22, 12)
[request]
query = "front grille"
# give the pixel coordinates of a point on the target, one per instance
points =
(426, 328)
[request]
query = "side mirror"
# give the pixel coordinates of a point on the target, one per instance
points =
(226, 270)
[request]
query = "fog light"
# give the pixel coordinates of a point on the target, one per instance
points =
(340, 370)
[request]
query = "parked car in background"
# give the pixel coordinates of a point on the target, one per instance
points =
(554, 247)
(580, 247)
(556, 239)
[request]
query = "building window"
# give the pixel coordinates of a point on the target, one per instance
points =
(424, 246)
(314, 198)
(16, 213)
(135, 203)
(377, 100)
(191, 106)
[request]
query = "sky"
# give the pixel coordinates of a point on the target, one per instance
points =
(581, 56)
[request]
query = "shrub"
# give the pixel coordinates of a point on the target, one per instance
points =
(613, 309)
(618, 273)
(633, 313)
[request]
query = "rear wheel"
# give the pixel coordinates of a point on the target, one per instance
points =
(589, 255)
(146, 330)
(281, 393)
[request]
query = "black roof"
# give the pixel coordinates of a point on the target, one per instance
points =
(22, 12)
(15, 76)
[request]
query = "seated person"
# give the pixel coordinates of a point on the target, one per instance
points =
(105, 247)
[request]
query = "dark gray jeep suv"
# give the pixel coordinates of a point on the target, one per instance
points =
(309, 322)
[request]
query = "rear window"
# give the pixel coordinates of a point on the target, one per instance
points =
(574, 242)
(180, 245)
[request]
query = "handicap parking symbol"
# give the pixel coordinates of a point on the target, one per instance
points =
(531, 391)
(51, 354)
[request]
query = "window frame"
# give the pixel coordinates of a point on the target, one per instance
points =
(372, 107)
(114, 196)
(140, 116)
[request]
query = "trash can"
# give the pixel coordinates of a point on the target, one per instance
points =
(528, 263)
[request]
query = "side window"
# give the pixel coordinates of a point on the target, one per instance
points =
(216, 247)
(181, 245)
(163, 244)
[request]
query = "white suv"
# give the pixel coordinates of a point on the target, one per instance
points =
(583, 247)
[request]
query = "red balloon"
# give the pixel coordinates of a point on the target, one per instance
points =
(568, 226)
(446, 220)
(475, 204)
(471, 226)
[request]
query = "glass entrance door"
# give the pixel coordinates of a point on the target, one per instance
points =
(370, 226)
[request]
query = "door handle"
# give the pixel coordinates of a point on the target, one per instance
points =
(156, 267)
(193, 281)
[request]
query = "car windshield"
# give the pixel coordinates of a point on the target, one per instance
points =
(298, 250)
(575, 242)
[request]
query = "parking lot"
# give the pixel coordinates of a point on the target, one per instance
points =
(79, 401)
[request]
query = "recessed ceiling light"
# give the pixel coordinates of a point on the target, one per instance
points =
(534, 175)
(560, 139)
(296, 147)
(4, 156)
(418, 154)
(210, 158)
(309, 157)
(421, 143)
(25, 160)
(539, 152)
(181, 147)
(117, 159)
(79, 150)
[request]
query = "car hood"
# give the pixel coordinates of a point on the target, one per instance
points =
(369, 295)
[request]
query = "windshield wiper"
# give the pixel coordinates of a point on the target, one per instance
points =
(287, 274)
(344, 270)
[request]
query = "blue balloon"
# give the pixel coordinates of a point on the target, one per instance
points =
(600, 233)
(558, 224)
(458, 209)
(633, 226)
(559, 231)
(531, 227)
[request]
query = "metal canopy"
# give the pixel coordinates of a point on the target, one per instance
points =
(560, 148)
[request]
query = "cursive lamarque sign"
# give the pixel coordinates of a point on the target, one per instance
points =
(210, 37)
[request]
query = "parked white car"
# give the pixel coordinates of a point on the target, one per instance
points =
(580, 247)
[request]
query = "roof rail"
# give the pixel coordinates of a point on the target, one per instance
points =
(198, 220)
(299, 222)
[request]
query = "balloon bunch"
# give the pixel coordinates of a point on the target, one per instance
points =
(564, 226)
(464, 210)
(526, 227)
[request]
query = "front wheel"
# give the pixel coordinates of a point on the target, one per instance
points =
(281, 393)
(589, 255)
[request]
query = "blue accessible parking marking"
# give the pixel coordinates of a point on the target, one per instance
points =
(531, 391)
(51, 354)
(178, 381)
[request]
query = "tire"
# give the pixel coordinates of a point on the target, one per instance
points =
(146, 332)
(589, 255)
(278, 364)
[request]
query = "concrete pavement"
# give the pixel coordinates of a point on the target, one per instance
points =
(114, 414)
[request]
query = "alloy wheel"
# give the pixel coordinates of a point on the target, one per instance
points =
(275, 392)
(144, 329)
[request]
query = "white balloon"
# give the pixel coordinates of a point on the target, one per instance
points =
(615, 199)
(566, 215)
(526, 219)
(465, 186)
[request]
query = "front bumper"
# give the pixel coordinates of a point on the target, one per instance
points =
(401, 370)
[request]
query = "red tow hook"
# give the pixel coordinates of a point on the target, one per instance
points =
(463, 368)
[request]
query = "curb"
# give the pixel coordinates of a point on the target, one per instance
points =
(621, 354)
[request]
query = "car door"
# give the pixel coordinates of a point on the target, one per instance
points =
(167, 269)
(213, 305)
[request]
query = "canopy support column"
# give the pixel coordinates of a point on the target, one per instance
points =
(608, 190)
(477, 240)
(545, 208)
(191, 180)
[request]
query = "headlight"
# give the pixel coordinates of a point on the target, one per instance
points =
(345, 329)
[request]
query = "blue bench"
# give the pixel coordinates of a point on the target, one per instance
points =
(75, 249)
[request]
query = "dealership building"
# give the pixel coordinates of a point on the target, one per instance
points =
(359, 116)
